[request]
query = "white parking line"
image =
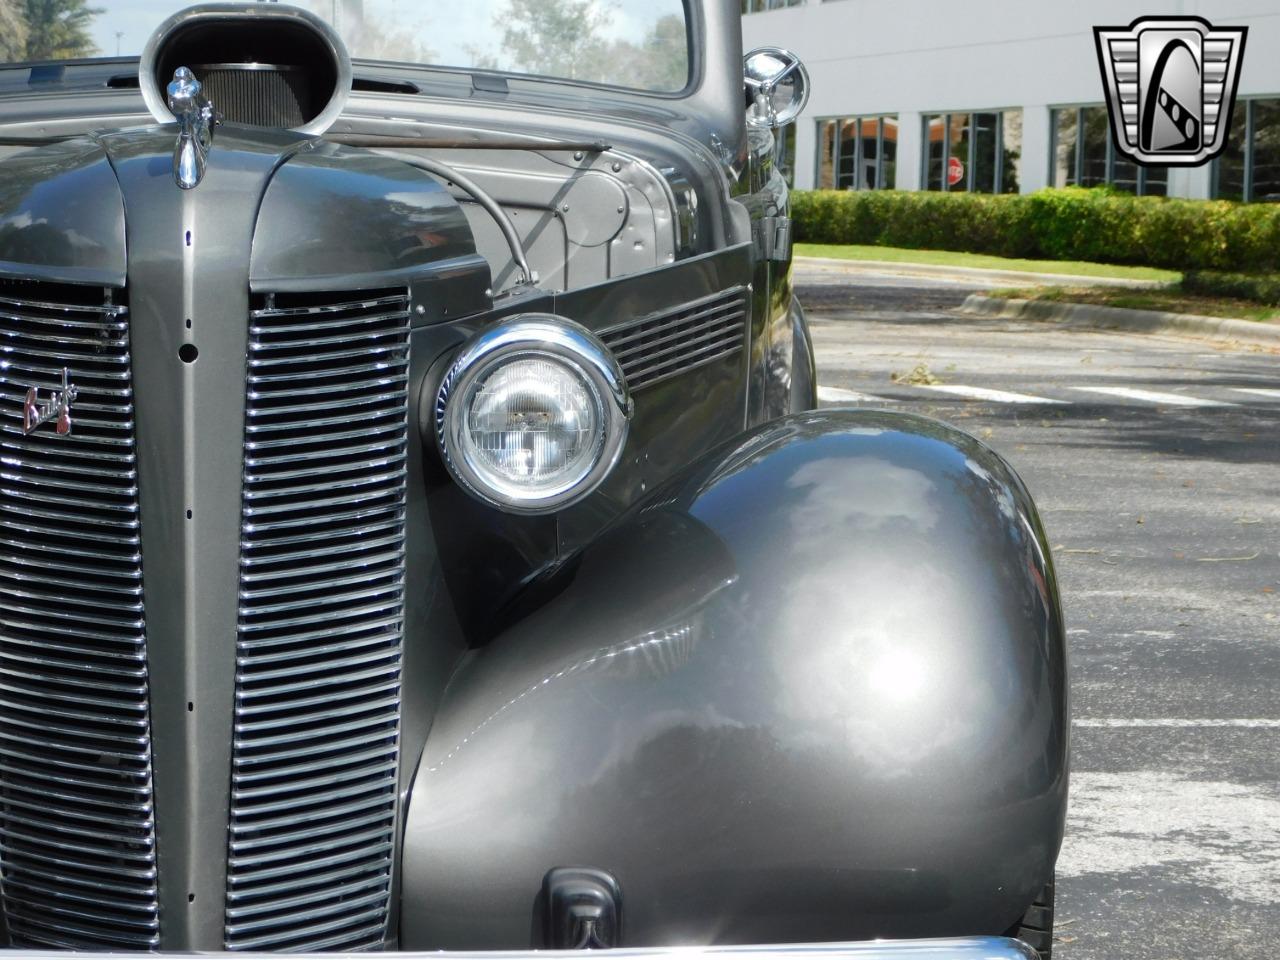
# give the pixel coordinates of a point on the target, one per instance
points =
(1152, 396)
(1176, 722)
(995, 396)
(840, 395)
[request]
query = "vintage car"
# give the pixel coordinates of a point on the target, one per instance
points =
(419, 532)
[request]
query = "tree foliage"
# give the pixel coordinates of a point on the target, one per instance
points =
(659, 61)
(59, 29)
(569, 38)
(376, 42)
(13, 32)
(559, 38)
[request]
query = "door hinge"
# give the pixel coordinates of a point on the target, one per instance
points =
(775, 238)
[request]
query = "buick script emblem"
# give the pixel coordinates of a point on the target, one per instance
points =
(36, 413)
(1170, 85)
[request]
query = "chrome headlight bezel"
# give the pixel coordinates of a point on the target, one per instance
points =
(533, 335)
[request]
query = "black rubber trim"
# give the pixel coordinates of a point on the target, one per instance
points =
(1036, 926)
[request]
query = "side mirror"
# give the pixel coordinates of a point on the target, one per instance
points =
(777, 86)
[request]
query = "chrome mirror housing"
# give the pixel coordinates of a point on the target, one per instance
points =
(777, 86)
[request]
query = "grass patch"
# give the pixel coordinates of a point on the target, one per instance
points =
(1173, 300)
(948, 258)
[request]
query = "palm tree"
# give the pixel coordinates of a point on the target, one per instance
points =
(13, 32)
(59, 29)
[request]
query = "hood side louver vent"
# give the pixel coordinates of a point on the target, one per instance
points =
(77, 831)
(321, 624)
(664, 345)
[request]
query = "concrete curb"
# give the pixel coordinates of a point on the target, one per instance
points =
(1120, 318)
(974, 274)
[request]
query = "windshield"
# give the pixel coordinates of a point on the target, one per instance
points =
(631, 43)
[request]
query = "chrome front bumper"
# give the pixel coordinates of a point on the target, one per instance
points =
(966, 948)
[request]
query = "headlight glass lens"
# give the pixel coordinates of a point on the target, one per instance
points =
(534, 426)
(532, 414)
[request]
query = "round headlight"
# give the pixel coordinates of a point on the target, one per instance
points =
(532, 414)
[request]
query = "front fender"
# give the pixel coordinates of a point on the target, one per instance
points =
(813, 689)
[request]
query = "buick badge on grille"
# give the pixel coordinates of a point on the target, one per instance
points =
(36, 414)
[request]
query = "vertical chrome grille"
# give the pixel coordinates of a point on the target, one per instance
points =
(664, 345)
(77, 833)
(321, 623)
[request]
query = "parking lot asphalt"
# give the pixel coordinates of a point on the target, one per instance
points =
(1155, 463)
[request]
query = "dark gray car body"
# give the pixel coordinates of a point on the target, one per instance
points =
(787, 676)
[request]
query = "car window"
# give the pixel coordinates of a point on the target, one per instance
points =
(642, 44)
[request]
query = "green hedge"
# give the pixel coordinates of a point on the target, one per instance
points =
(1099, 225)
(1257, 288)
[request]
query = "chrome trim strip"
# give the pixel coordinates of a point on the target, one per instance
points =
(250, 67)
(961, 948)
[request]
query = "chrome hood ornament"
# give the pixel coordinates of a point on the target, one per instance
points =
(36, 414)
(196, 120)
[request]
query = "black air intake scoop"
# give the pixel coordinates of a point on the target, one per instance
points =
(265, 65)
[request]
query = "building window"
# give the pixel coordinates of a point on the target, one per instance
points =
(1095, 153)
(974, 152)
(857, 153)
(1249, 168)
(759, 6)
(1084, 155)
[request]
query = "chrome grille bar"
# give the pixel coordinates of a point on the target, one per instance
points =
(321, 623)
(664, 345)
(77, 831)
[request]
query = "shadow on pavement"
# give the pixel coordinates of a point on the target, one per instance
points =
(878, 299)
(1225, 434)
